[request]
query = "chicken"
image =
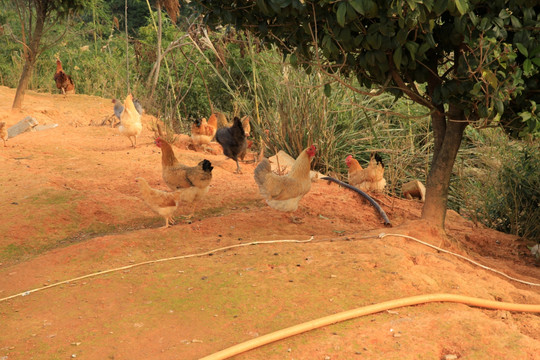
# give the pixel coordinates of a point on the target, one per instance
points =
(369, 179)
(119, 108)
(64, 82)
(130, 121)
(178, 176)
(284, 192)
(3, 132)
(414, 190)
(165, 203)
(233, 141)
(202, 132)
(220, 120)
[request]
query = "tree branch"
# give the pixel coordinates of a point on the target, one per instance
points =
(410, 93)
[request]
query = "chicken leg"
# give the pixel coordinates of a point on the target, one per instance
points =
(238, 170)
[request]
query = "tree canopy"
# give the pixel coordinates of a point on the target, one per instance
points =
(483, 55)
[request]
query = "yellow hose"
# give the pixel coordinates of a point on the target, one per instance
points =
(366, 310)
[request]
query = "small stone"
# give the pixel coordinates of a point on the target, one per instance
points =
(333, 276)
(327, 357)
(450, 357)
(74, 355)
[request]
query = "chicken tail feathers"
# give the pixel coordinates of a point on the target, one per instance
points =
(206, 166)
(261, 171)
(138, 106)
(378, 158)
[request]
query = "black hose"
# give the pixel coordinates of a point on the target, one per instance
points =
(369, 198)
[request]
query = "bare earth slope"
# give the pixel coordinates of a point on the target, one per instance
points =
(69, 208)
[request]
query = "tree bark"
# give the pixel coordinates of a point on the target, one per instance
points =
(23, 84)
(438, 181)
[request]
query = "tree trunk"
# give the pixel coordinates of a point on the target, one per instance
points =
(448, 142)
(31, 55)
(23, 84)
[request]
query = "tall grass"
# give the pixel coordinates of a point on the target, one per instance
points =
(291, 110)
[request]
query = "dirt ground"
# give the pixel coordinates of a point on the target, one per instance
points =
(69, 207)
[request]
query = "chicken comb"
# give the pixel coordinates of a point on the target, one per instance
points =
(312, 150)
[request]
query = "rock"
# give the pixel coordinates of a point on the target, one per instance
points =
(22, 126)
(44, 127)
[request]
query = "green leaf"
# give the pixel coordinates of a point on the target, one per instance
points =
(293, 59)
(264, 8)
(327, 90)
(440, 6)
(412, 4)
(371, 8)
(503, 14)
(499, 22)
(515, 22)
(522, 49)
(358, 6)
(535, 51)
(491, 78)
(397, 57)
(527, 66)
(431, 40)
(374, 40)
(462, 6)
(413, 48)
(401, 36)
(499, 106)
(473, 17)
(484, 23)
(477, 89)
(536, 61)
(423, 48)
(341, 13)
(525, 116)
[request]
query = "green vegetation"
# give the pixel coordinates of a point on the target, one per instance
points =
(495, 180)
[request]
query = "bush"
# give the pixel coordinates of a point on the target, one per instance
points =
(499, 183)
